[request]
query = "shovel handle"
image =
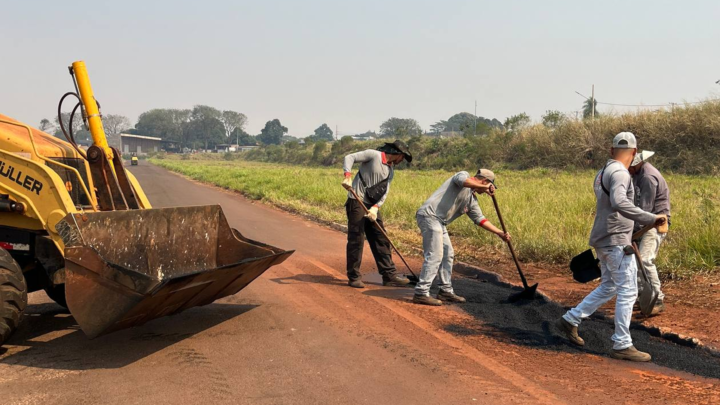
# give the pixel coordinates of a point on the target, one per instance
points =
(512, 251)
(380, 228)
(639, 234)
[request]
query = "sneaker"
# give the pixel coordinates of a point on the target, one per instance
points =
(450, 297)
(395, 281)
(570, 331)
(356, 283)
(630, 354)
(426, 300)
(658, 308)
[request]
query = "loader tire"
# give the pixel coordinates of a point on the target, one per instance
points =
(13, 295)
(57, 294)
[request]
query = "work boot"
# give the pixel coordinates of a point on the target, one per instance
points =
(630, 354)
(395, 280)
(450, 297)
(356, 283)
(426, 300)
(570, 331)
(658, 309)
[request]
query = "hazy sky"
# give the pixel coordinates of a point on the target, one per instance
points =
(355, 64)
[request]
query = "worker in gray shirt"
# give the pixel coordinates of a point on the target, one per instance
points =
(615, 216)
(652, 195)
(371, 185)
(454, 198)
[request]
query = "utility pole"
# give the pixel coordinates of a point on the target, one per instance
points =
(475, 124)
(336, 133)
(592, 101)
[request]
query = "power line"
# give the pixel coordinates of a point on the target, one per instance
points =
(637, 105)
(643, 105)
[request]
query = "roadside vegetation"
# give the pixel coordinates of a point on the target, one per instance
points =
(686, 139)
(549, 212)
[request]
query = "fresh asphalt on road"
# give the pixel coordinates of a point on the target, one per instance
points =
(299, 335)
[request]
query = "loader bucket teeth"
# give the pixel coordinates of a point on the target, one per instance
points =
(124, 268)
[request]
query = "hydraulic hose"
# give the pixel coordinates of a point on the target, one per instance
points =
(69, 134)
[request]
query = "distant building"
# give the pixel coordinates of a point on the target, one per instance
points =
(451, 134)
(226, 148)
(363, 137)
(140, 144)
(247, 148)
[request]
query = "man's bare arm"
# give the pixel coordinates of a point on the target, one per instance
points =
(478, 186)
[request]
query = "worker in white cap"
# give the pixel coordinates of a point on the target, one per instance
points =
(652, 195)
(615, 216)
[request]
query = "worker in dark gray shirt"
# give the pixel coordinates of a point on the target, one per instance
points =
(652, 195)
(454, 198)
(372, 185)
(615, 216)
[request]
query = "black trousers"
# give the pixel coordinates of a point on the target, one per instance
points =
(360, 228)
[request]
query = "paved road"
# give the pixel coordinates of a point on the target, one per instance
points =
(298, 335)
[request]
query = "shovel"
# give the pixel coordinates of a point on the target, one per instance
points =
(528, 292)
(413, 278)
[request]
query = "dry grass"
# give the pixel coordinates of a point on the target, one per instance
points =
(687, 140)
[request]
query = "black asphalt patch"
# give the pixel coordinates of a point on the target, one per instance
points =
(532, 324)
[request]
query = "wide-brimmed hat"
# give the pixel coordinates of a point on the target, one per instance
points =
(400, 147)
(642, 157)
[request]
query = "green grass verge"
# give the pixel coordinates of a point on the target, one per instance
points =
(549, 212)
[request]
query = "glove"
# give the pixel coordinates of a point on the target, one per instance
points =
(372, 213)
(347, 182)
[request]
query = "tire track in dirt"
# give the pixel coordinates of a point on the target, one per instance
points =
(205, 376)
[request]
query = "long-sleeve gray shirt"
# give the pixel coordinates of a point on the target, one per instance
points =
(615, 213)
(651, 192)
(452, 200)
(373, 169)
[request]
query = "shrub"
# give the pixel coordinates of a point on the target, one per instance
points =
(687, 140)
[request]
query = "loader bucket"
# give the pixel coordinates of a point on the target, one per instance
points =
(124, 268)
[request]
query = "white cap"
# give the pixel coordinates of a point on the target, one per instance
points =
(642, 157)
(624, 140)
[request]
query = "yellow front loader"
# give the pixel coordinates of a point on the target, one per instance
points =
(76, 224)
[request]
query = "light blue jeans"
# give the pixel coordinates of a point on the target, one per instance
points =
(619, 277)
(649, 247)
(438, 255)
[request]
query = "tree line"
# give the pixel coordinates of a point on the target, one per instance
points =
(206, 127)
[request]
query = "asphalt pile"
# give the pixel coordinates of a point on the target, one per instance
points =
(531, 324)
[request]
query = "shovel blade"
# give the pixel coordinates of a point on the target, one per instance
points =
(585, 267)
(526, 294)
